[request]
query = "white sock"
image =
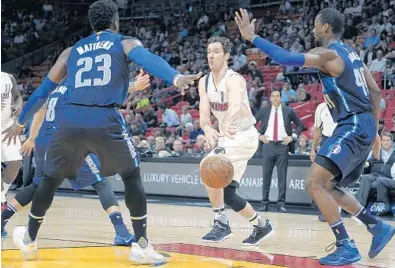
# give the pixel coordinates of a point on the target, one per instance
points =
(257, 220)
(220, 215)
(6, 186)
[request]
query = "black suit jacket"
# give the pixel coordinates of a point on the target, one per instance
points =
(289, 116)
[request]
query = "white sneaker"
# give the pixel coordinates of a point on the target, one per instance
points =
(145, 255)
(29, 249)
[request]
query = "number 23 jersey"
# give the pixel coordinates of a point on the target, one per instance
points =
(348, 93)
(97, 71)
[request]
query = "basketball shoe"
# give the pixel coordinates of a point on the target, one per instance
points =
(382, 233)
(258, 234)
(219, 232)
(346, 253)
(124, 241)
(23, 241)
(143, 253)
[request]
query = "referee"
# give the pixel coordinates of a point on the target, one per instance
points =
(323, 128)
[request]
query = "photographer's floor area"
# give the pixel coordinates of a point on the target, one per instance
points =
(78, 233)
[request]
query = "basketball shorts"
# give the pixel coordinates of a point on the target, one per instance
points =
(345, 153)
(238, 150)
(87, 174)
(10, 152)
(83, 130)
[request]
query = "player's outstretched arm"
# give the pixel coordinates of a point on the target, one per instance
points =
(156, 65)
(38, 120)
(210, 133)
(39, 96)
(280, 55)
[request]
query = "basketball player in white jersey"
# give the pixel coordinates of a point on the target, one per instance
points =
(11, 102)
(223, 92)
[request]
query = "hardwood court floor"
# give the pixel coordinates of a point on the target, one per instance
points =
(77, 233)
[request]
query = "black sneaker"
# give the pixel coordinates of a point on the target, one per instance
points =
(258, 234)
(219, 232)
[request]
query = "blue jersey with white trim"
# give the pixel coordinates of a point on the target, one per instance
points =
(348, 93)
(98, 71)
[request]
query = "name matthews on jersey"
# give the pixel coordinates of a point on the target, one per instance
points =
(94, 46)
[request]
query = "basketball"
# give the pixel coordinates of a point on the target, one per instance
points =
(217, 171)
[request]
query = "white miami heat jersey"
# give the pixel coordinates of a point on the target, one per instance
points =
(218, 97)
(6, 101)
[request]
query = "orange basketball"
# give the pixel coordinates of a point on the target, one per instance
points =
(217, 171)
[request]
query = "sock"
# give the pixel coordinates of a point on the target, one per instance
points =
(257, 220)
(34, 225)
(6, 186)
(7, 214)
(119, 225)
(140, 230)
(368, 219)
(220, 215)
(339, 230)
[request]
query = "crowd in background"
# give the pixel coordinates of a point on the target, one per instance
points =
(159, 129)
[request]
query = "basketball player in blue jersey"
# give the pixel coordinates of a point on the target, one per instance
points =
(97, 82)
(353, 98)
(43, 125)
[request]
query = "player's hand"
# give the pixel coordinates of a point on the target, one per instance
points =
(264, 139)
(211, 136)
(142, 81)
(312, 155)
(287, 140)
(27, 147)
(184, 81)
(246, 28)
(376, 147)
(12, 133)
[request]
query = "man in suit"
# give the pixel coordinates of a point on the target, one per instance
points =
(278, 140)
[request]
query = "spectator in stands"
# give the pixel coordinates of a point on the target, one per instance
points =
(136, 140)
(368, 56)
(288, 94)
(141, 124)
(373, 39)
(161, 148)
(185, 117)
(379, 168)
(192, 98)
(198, 146)
(239, 61)
(253, 71)
(134, 130)
(196, 131)
(379, 64)
(151, 118)
(151, 143)
(302, 146)
(387, 26)
(301, 93)
(350, 30)
(170, 117)
(178, 148)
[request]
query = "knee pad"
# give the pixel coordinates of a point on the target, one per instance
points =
(232, 199)
(134, 193)
(25, 196)
(106, 194)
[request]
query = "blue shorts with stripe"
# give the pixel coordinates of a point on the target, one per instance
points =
(348, 149)
(90, 129)
(87, 175)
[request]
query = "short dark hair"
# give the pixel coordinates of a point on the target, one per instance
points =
(276, 90)
(334, 18)
(225, 42)
(101, 14)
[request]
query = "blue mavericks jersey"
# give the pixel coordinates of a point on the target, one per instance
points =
(97, 71)
(348, 93)
(54, 100)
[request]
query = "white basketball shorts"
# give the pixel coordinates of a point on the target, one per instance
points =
(238, 150)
